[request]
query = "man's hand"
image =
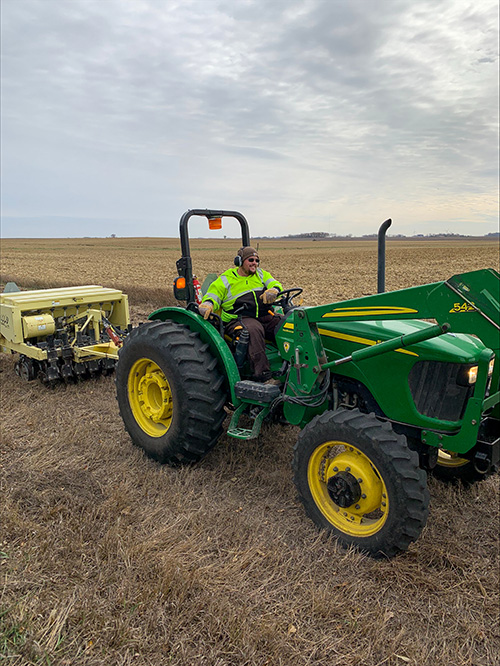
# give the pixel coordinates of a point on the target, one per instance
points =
(269, 296)
(205, 309)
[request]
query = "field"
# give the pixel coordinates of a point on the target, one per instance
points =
(109, 558)
(327, 270)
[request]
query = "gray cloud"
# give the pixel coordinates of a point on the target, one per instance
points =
(317, 113)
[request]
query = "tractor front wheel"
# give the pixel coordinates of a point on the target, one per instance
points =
(170, 393)
(359, 480)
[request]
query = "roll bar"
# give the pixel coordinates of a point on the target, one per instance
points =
(184, 264)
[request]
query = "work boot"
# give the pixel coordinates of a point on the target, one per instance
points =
(267, 378)
(272, 382)
(263, 378)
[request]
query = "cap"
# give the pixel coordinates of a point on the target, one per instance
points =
(246, 252)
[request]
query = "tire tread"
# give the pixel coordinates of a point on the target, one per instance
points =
(411, 481)
(195, 370)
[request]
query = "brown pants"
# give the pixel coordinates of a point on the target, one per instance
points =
(259, 329)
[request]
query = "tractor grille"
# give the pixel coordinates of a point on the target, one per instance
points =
(437, 391)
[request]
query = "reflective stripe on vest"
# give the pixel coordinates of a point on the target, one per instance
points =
(261, 275)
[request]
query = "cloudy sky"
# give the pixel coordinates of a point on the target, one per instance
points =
(305, 115)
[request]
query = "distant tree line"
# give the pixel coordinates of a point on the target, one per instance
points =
(323, 235)
(310, 235)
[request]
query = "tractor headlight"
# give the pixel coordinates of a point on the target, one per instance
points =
(491, 366)
(467, 375)
(472, 374)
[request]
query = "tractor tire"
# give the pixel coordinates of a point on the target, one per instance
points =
(452, 469)
(170, 393)
(359, 480)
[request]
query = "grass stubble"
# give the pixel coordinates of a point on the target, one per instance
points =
(109, 558)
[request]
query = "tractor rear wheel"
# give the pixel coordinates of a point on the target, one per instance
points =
(170, 393)
(359, 480)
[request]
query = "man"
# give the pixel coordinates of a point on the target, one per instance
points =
(246, 290)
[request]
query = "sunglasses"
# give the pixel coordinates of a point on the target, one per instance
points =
(253, 259)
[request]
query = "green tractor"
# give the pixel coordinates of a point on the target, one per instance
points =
(381, 396)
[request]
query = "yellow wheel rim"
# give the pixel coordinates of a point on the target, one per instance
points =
(368, 514)
(446, 459)
(150, 397)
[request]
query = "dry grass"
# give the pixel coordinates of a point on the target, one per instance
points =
(109, 558)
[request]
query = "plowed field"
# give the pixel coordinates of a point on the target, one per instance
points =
(327, 270)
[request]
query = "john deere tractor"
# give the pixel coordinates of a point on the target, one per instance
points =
(382, 397)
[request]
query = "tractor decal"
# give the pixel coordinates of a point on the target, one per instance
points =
(361, 341)
(364, 311)
(464, 307)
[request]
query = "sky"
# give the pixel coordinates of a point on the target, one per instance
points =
(304, 115)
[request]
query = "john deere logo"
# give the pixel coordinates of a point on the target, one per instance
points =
(286, 346)
(462, 307)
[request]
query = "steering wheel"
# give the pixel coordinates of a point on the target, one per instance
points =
(285, 298)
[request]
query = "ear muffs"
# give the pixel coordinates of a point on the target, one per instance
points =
(237, 260)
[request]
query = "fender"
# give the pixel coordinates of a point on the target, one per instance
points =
(210, 336)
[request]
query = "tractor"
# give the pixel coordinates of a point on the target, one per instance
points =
(381, 395)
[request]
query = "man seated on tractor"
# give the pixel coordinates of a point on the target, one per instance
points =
(242, 294)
